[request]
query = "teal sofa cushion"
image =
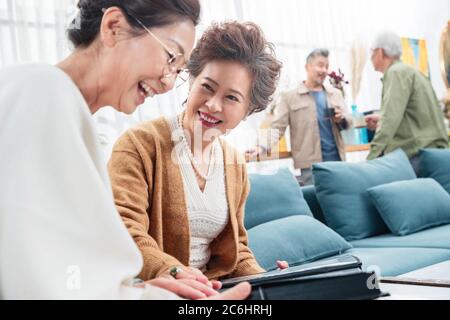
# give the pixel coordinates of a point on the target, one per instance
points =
(435, 163)
(296, 239)
(342, 192)
(438, 237)
(410, 206)
(309, 193)
(396, 261)
(272, 197)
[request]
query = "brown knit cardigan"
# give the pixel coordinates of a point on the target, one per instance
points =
(149, 195)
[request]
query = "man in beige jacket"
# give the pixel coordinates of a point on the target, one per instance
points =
(315, 114)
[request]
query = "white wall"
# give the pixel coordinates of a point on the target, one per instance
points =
(413, 19)
(297, 26)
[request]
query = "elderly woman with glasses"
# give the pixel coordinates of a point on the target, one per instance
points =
(180, 188)
(62, 237)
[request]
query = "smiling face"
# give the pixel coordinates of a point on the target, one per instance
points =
(219, 98)
(134, 68)
(317, 70)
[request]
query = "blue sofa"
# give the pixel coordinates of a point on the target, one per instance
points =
(281, 227)
(394, 255)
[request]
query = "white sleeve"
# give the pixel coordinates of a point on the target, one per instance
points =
(61, 236)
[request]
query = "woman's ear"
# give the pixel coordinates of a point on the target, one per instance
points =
(113, 25)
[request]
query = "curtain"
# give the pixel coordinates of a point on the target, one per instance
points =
(33, 30)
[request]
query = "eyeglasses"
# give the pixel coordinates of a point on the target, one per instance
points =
(176, 62)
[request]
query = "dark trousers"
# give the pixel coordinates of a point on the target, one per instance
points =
(305, 178)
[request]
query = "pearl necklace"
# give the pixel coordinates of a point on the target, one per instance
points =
(195, 164)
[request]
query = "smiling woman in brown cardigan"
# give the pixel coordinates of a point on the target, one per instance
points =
(233, 74)
(149, 194)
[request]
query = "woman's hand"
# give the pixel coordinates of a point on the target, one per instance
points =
(185, 290)
(216, 285)
(282, 264)
(183, 272)
(238, 292)
(193, 283)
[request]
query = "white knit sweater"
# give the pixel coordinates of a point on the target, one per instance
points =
(61, 235)
(207, 210)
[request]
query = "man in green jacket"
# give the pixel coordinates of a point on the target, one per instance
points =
(410, 116)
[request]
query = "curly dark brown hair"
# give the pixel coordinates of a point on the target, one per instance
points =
(245, 43)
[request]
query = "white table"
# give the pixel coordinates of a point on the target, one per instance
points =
(440, 271)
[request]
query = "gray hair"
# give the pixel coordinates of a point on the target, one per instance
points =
(390, 43)
(320, 52)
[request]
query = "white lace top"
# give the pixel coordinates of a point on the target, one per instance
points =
(207, 210)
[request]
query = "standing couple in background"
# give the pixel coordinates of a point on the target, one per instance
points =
(410, 116)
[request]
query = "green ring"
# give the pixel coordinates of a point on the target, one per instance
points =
(174, 271)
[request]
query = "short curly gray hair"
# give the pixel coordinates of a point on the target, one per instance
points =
(390, 43)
